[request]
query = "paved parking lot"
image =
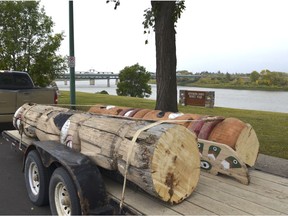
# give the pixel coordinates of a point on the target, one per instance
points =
(13, 196)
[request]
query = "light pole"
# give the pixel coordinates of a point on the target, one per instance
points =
(71, 60)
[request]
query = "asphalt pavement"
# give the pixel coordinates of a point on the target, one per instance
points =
(14, 198)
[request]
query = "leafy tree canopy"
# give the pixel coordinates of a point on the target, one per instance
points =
(254, 76)
(134, 82)
(162, 18)
(150, 14)
(27, 42)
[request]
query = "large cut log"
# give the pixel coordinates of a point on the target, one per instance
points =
(163, 159)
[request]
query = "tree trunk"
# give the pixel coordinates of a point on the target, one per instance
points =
(165, 55)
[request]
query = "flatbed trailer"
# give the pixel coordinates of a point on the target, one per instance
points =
(266, 194)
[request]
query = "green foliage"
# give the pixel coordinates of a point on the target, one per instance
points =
(273, 78)
(27, 42)
(254, 76)
(134, 82)
(102, 92)
(151, 13)
(265, 80)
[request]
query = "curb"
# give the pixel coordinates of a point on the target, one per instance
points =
(272, 165)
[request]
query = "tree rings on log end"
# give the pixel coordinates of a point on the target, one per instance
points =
(247, 145)
(175, 165)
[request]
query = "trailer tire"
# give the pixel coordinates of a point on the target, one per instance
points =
(63, 195)
(36, 179)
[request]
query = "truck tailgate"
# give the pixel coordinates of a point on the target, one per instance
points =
(215, 195)
(7, 101)
(7, 104)
(39, 96)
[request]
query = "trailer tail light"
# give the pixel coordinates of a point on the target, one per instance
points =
(55, 98)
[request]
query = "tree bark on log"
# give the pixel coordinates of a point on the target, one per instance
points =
(164, 159)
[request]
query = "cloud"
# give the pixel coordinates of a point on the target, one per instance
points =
(230, 36)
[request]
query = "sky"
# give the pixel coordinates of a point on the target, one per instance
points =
(234, 36)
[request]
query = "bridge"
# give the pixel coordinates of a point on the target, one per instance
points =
(90, 76)
(79, 75)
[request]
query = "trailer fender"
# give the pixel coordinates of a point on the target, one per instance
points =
(85, 174)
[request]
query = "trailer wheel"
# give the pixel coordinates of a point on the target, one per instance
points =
(36, 179)
(63, 194)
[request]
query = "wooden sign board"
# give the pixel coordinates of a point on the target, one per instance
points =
(197, 98)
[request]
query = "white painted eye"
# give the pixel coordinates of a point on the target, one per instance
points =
(16, 120)
(235, 161)
(18, 123)
(109, 107)
(128, 113)
(64, 131)
(174, 115)
(69, 144)
(205, 165)
(214, 148)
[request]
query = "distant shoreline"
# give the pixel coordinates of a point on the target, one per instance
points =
(259, 88)
(234, 87)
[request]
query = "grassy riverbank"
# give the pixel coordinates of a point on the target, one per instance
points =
(233, 86)
(228, 86)
(271, 128)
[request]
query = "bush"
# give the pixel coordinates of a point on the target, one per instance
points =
(133, 82)
(102, 92)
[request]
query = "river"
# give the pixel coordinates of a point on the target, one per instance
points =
(275, 101)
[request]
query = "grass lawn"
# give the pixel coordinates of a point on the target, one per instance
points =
(271, 127)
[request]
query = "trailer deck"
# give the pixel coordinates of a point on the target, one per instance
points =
(266, 194)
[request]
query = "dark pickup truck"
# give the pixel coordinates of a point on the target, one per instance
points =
(17, 88)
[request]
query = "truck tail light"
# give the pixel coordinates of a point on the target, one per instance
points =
(55, 98)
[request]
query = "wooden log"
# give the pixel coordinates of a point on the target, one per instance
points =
(156, 115)
(132, 113)
(141, 113)
(97, 108)
(126, 112)
(107, 110)
(163, 160)
(32, 113)
(187, 116)
(227, 132)
(196, 126)
(208, 127)
(247, 145)
(239, 136)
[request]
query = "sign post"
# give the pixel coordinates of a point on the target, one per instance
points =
(71, 60)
